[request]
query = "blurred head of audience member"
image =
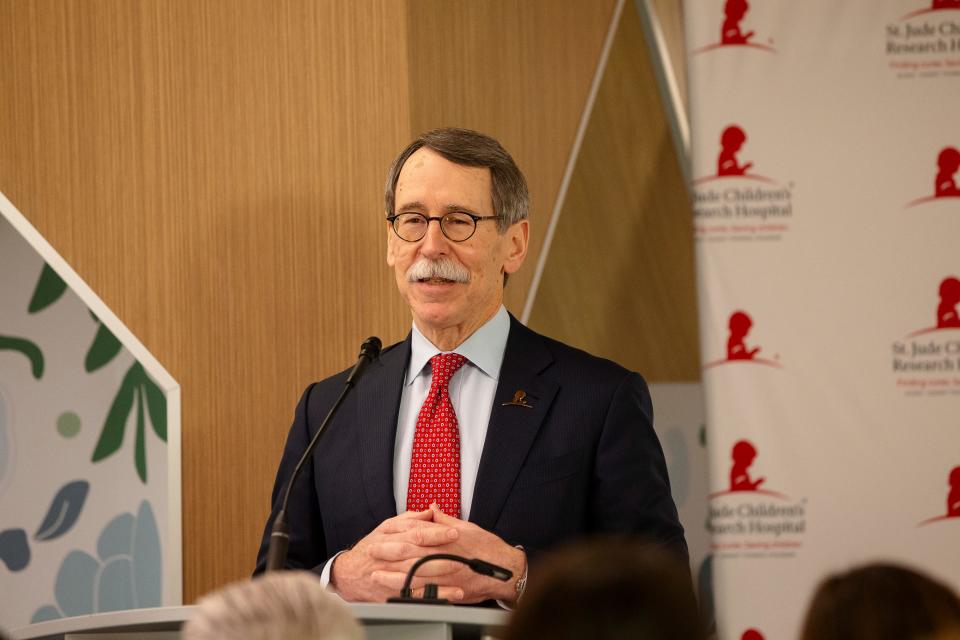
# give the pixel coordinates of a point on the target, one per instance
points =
(882, 602)
(604, 589)
(287, 605)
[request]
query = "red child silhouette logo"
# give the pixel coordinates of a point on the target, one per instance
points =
(733, 12)
(752, 634)
(732, 34)
(731, 141)
(947, 164)
(945, 181)
(953, 498)
(740, 324)
(948, 316)
(744, 453)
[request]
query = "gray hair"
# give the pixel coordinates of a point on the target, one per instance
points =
(289, 605)
(511, 198)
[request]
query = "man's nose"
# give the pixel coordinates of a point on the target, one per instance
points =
(434, 242)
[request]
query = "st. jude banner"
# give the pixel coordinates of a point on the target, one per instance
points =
(825, 159)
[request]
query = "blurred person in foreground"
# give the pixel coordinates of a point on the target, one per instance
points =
(606, 589)
(882, 602)
(289, 605)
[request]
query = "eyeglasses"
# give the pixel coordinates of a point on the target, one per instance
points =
(456, 225)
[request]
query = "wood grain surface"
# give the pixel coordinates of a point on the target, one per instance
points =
(619, 279)
(520, 71)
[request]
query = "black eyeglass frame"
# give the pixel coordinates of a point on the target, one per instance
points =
(393, 223)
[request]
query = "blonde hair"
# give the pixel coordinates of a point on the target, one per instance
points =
(290, 605)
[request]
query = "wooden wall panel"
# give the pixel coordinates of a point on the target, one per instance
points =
(213, 170)
(619, 279)
(519, 71)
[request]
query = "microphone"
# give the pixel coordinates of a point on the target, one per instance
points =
(369, 351)
(280, 534)
(430, 590)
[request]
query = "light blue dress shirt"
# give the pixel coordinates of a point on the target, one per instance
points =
(472, 389)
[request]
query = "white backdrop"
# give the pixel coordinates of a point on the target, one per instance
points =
(827, 217)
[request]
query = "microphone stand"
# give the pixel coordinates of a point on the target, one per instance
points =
(430, 590)
(280, 534)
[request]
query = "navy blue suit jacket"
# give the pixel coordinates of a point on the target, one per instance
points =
(583, 460)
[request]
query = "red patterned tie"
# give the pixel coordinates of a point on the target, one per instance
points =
(435, 464)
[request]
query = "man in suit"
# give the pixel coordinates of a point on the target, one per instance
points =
(489, 440)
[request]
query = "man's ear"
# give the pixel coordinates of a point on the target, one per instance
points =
(391, 245)
(517, 241)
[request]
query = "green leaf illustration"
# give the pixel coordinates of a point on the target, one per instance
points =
(140, 449)
(105, 346)
(27, 348)
(157, 404)
(113, 427)
(49, 288)
(136, 387)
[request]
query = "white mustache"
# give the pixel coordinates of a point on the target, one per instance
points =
(444, 269)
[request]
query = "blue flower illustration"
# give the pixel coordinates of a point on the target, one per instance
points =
(126, 574)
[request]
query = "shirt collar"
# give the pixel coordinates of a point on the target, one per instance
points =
(484, 349)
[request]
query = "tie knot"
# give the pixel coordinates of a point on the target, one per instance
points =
(444, 365)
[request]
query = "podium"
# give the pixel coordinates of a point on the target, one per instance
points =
(380, 621)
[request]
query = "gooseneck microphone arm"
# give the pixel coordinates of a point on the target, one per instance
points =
(430, 591)
(280, 534)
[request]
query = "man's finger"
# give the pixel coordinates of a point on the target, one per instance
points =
(393, 550)
(394, 580)
(432, 568)
(431, 536)
(437, 568)
(398, 525)
(425, 515)
(442, 518)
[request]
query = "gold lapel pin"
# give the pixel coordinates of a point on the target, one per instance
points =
(519, 400)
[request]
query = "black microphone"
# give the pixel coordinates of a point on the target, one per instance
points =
(369, 351)
(430, 590)
(280, 534)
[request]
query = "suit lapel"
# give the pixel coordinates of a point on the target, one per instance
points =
(378, 401)
(512, 428)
